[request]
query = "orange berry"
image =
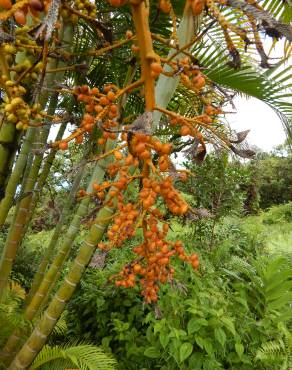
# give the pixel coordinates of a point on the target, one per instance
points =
(20, 17)
(96, 186)
(129, 159)
(145, 155)
(112, 193)
(156, 67)
(89, 108)
(88, 118)
(114, 108)
(94, 91)
(6, 4)
(135, 48)
(36, 5)
(164, 6)
(185, 130)
(115, 2)
(206, 119)
(210, 110)
(195, 264)
(79, 139)
(98, 108)
(111, 96)
(163, 166)
(194, 257)
(164, 261)
(103, 100)
(84, 89)
(199, 82)
(137, 268)
(63, 145)
(101, 141)
(118, 155)
(88, 127)
(197, 6)
(166, 148)
(140, 147)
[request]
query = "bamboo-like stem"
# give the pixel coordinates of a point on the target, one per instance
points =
(44, 282)
(52, 245)
(45, 326)
(7, 131)
(54, 271)
(43, 177)
(7, 141)
(16, 230)
(15, 177)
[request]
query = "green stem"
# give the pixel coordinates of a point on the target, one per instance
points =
(16, 229)
(43, 177)
(53, 242)
(16, 175)
(48, 280)
(40, 334)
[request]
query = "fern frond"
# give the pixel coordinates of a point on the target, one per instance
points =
(83, 356)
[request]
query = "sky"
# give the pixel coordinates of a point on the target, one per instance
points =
(266, 129)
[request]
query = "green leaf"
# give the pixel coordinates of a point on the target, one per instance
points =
(164, 339)
(200, 341)
(220, 336)
(239, 349)
(208, 346)
(185, 351)
(195, 324)
(228, 324)
(151, 352)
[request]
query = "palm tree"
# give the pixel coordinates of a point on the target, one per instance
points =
(217, 40)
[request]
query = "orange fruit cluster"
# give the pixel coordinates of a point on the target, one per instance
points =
(124, 224)
(33, 6)
(152, 267)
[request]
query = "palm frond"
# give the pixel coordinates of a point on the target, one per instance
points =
(271, 87)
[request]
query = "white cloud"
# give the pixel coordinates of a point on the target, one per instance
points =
(252, 114)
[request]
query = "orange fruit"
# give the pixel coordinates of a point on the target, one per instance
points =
(156, 67)
(197, 6)
(185, 130)
(63, 145)
(6, 4)
(111, 96)
(36, 5)
(103, 101)
(164, 6)
(20, 17)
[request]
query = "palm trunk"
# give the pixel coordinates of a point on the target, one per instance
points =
(43, 177)
(54, 271)
(53, 242)
(16, 175)
(16, 229)
(40, 334)
(7, 142)
(7, 133)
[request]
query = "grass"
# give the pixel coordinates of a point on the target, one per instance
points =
(274, 227)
